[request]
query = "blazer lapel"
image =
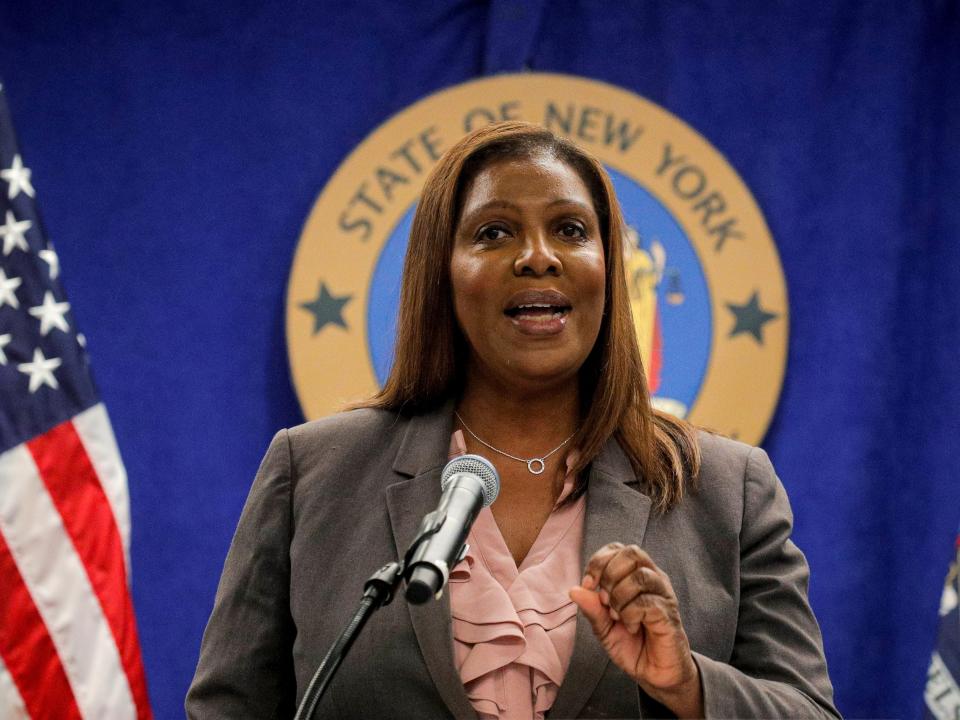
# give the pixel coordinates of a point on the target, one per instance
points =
(423, 454)
(616, 512)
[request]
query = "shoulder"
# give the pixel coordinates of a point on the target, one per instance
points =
(349, 434)
(722, 457)
(731, 472)
(351, 426)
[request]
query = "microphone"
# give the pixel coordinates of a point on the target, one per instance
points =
(469, 482)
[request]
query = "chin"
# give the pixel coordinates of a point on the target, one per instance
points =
(540, 374)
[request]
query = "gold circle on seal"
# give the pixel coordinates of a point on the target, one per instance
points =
(378, 182)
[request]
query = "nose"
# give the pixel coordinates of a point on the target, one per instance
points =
(537, 257)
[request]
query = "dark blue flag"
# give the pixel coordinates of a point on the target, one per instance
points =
(942, 695)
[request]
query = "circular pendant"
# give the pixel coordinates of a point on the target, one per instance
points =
(536, 466)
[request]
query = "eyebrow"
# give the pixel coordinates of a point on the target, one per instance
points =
(575, 203)
(506, 204)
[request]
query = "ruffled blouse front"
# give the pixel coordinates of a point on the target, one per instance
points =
(514, 628)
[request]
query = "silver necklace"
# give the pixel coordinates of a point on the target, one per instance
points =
(535, 465)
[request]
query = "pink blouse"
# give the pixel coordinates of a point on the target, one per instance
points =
(513, 628)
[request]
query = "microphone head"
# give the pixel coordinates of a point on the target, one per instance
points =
(480, 468)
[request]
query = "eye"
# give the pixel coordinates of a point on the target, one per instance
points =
(572, 230)
(492, 233)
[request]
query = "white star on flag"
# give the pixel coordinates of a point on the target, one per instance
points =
(7, 286)
(41, 370)
(50, 314)
(19, 178)
(49, 256)
(66, 611)
(13, 232)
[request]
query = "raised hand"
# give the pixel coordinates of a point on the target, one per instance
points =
(634, 613)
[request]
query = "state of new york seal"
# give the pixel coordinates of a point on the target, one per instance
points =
(707, 289)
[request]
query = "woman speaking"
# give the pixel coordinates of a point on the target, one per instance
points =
(632, 566)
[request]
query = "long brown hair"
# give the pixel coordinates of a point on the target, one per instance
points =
(430, 355)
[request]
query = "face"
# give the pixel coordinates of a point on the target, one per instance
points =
(528, 273)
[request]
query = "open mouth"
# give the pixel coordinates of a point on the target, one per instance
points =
(538, 312)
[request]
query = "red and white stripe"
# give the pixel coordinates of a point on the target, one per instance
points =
(68, 638)
(10, 701)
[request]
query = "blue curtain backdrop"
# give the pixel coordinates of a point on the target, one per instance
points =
(178, 147)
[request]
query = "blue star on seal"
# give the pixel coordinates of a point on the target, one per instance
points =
(327, 309)
(750, 318)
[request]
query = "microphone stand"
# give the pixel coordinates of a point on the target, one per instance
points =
(378, 591)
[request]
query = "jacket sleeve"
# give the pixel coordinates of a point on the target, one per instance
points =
(246, 667)
(777, 669)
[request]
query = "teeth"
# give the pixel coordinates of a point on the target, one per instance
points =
(541, 312)
(556, 315)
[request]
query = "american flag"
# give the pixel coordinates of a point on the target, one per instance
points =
(68, 636)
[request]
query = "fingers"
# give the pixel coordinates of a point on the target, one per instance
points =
(637, 592)
(598, 563)
(611, 563)
(658, 615)
(593, 610)
(639, 581)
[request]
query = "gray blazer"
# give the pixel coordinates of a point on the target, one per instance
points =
(337, 498)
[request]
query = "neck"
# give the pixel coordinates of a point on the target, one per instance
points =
(524, 424)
